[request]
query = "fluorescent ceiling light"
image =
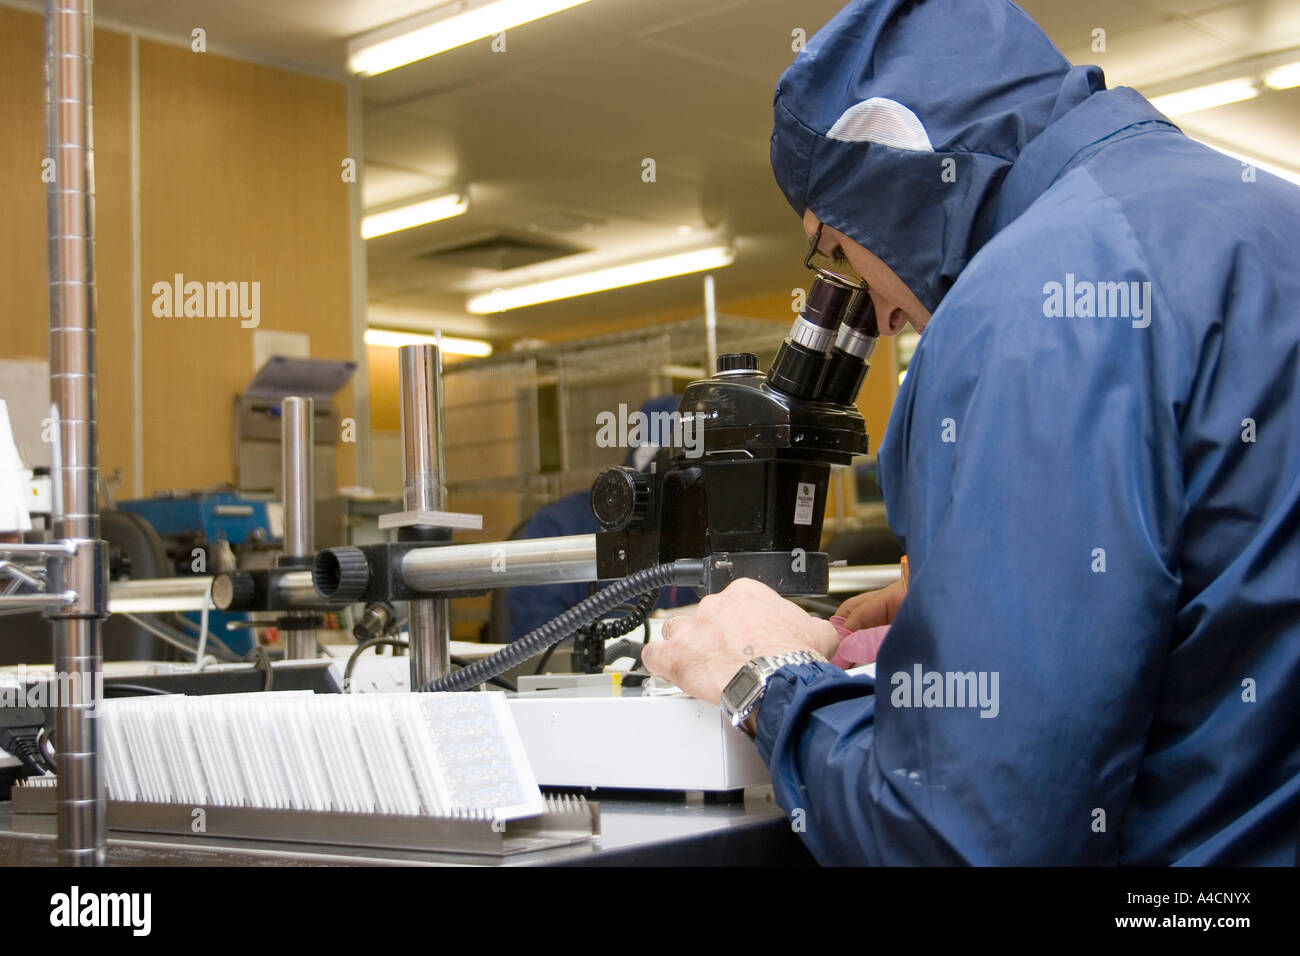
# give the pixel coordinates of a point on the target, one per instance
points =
(451, 345)
(1206, 97)
(648, 270)
(1283, 77)
(412, 214)
(1290, 175)
(442, 29)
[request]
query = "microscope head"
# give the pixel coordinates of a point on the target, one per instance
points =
(744, 483)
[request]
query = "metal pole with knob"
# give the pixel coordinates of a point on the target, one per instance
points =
(424, 490)
(297, 486)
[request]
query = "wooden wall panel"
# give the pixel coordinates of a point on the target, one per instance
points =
(23, 299)
(240, 181)
(113, 263)
(385, 389)
(240, 178)
(24, 273)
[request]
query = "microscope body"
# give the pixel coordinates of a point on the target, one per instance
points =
(743, 486)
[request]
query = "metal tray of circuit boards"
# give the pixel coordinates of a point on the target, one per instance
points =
(567, 820)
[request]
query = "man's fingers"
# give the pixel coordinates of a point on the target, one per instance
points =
(824, 637)
(877, 608)
(852, 604)
(657, 658)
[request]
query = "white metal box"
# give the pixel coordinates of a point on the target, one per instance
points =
(654, 743)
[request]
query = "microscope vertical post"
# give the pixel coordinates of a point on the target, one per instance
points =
(424, 489)
(297, 485)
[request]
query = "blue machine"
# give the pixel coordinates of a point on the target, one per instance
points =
(223, 515)
(218, 524)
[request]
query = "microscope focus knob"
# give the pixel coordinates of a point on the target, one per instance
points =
(620, 498)
(738, 361)
(234, 591)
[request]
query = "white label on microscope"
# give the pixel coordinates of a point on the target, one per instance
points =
(803, 503)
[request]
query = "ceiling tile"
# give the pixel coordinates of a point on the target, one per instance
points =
(1252, 128)
(1070, 25)
(648, 80)
(385, 184)
(1155, 54)
(1273, 25)
(755, 41)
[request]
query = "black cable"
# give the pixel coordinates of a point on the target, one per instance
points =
(683, 571)
(365, 646)
(624, 648)
(637, 612)
(27, 750)
(262, 661)
(638, 616)
(497, 681)
(20, 730)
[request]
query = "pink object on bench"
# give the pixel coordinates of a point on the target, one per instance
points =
(857, 647)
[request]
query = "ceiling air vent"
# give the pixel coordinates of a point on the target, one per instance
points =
(498, 252)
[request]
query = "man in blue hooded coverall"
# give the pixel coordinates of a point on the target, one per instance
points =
(1093, 464)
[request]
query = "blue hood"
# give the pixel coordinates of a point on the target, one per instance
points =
(980, 80)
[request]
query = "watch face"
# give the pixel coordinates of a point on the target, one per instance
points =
(742, 686)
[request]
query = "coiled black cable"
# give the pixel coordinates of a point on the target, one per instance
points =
(683, 571)
(639, 610)
(606, 629)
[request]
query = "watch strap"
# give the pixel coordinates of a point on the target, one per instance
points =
(763, 669)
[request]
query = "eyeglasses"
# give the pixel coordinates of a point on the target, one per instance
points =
(842, 273)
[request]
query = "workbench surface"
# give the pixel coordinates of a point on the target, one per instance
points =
(637, 829)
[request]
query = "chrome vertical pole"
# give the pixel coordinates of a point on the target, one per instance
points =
(79, 800)
(297, 487)
(424, 489)
(710, 327)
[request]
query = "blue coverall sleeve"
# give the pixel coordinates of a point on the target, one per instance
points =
(1032, 469)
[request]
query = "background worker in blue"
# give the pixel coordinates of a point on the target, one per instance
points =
(1100, 503)
(531, 607)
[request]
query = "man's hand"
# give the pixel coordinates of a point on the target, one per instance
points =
(701, 652)
(873, 609)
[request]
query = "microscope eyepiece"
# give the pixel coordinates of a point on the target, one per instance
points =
(801, 362)
(851, 355)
